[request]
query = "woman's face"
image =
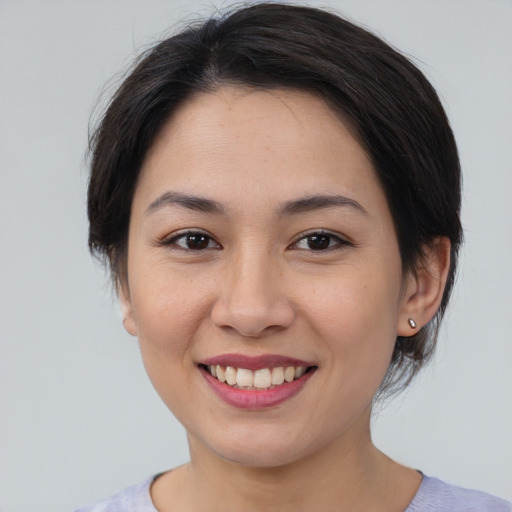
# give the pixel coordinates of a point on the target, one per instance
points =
(261, 239)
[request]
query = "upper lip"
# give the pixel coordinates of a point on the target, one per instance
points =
(255, 362)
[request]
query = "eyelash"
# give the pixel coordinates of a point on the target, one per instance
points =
(172, 241)
(308, 237)
(339, 242)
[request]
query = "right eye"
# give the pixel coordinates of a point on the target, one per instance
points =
(192, 241)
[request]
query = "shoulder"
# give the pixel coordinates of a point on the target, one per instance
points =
(437, 496)
(132, 499)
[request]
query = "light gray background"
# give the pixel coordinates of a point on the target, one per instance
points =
(78, 418)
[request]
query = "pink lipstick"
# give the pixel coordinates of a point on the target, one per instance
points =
(224, 373)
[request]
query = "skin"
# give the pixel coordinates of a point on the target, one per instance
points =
(257, 288)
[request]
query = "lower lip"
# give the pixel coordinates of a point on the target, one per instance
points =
(255, 399)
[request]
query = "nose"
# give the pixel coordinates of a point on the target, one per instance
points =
(252, 299)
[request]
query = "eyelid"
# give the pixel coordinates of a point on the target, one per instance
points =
(170, 239)
(342, 240)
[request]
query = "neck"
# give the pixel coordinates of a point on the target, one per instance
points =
(349, 475)
(306, 484)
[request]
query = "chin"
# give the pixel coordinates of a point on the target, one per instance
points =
(267, 457)
(258, 450)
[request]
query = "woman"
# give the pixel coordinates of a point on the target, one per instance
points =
(277, 193)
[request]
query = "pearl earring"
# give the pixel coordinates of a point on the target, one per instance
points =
(412, 323)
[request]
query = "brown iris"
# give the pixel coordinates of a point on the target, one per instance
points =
(197, 241)
(319, 242)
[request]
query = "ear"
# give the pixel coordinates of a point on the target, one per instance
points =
(424, 289)
(126, 309)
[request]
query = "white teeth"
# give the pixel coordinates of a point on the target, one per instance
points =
(221, 373)
(262, 378)
(244, 378)
(230, 375)
(277, 376)
(289, 374)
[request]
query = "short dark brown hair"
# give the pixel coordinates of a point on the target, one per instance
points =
(395, 112)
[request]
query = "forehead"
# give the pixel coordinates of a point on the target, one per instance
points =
(275, 144)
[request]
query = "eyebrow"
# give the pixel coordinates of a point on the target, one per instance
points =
(293, 207)
(319, 202)
(198, 204)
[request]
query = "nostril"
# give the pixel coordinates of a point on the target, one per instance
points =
(251, 318)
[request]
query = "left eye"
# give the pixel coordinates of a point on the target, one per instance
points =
(319, 242)
(194, 241)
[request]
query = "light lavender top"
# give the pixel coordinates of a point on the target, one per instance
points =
(433, 496)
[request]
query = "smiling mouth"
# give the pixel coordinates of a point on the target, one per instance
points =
(257, 380)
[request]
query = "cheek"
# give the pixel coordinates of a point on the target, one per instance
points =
(358, 299)
(356, 315)
(167, 326)
(168, 310)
